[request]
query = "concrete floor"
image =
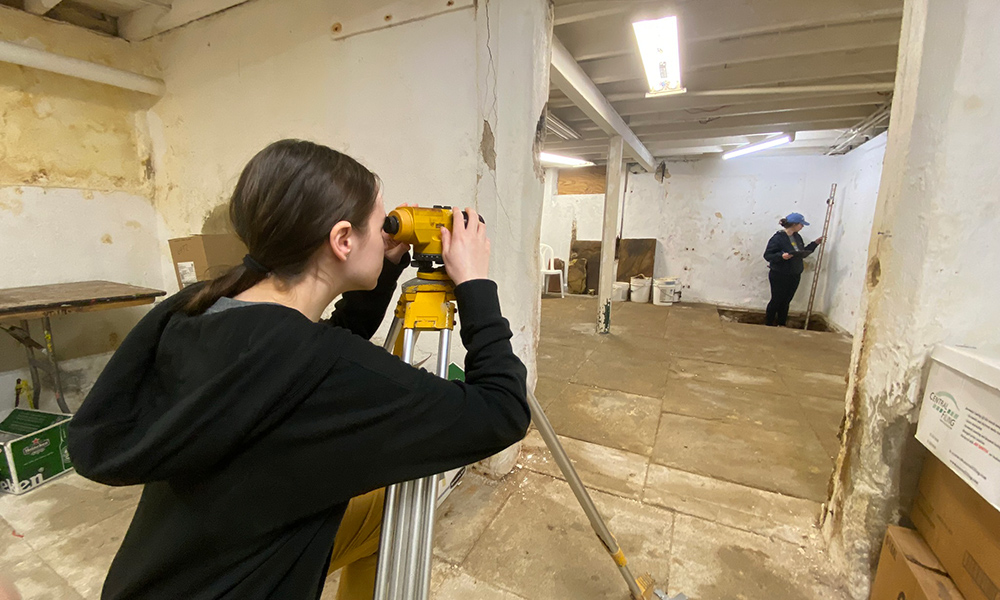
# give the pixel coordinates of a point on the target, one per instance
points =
(707, 446)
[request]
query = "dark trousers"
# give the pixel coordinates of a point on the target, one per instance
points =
(783, 286)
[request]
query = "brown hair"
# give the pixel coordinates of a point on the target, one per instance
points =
(784, 223)
(288, 198)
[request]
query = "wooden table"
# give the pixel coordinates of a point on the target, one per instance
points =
(43, 301)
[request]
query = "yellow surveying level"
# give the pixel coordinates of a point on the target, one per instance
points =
(421, 228)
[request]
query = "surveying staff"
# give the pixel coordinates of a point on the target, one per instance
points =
(784, 254)
(253, 424)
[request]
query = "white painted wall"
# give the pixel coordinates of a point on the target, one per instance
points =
(846, 255)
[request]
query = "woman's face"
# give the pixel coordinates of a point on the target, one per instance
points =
(369, 250)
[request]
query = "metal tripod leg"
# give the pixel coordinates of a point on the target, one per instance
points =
(406, 544)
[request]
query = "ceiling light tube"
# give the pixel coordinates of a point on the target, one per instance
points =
(563, 161)
(560, 129)
(659, 47)
(767, 144)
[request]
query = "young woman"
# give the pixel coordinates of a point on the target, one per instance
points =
(784, 254)
(252, 424)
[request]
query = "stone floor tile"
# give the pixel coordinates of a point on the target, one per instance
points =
(746, 378)
(710, 561)
(605, 369)
(600, 467)
(64, 505)
(542, 547)
(711, 400)
(82, 557)
(468, 511)
(794, 464)
(23, 569)
(607, 417)
(731, 504)
(820, 385)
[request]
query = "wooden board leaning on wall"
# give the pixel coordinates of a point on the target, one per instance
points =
(584, 180)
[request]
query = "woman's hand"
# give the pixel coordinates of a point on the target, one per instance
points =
(786, 256)
(394, 250)
(820, 239)
(465, 249)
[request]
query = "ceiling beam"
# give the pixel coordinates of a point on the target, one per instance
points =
(733, 51)
(694, 103)
(40, 7)
(155, 18)
(567, 75)
(777, 120)
(575, 12)
(841, 63)
(708, 133)
(750, 108)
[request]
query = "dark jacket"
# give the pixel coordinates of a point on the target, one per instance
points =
(251, 428)
(780, 243)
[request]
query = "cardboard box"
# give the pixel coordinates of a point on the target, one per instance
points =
(205, 257)
(908, 570)
(962, 529)
(32, 449)
(960, 417)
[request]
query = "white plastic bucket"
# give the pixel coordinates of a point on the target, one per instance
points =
(664, 291)
(640, 289)
(619, 291)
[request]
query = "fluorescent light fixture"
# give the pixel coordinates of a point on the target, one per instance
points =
(782, 139)
(659, 46)
(562, 161)
(556, 127)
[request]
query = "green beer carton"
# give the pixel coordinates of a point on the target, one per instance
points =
(32, 449)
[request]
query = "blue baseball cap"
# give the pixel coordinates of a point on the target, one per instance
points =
(796, 218)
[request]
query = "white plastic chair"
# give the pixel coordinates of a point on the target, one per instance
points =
(549, 269)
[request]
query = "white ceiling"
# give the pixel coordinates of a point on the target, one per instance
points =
(732, 45)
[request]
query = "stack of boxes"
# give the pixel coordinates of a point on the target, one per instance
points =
(955, 551)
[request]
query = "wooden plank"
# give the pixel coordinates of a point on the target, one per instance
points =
(636, 257)
(584, 180)
(83, 296)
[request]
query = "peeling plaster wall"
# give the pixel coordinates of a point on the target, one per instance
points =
(513, 53)
(75, 187)
(401, 100)
(933, 274)
(839, 295)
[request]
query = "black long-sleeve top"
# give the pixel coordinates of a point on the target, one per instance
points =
(781, 243)
(252, 428)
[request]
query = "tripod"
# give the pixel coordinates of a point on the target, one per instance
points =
(427, 303)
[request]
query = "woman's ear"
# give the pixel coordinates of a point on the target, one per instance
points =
(341, 240)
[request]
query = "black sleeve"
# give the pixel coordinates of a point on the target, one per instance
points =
(774, 250)
(362, 312)
(377, 421)
(812, 247)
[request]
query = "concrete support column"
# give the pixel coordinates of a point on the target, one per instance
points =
(609, 233)
(513, 53)
(933, 271)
